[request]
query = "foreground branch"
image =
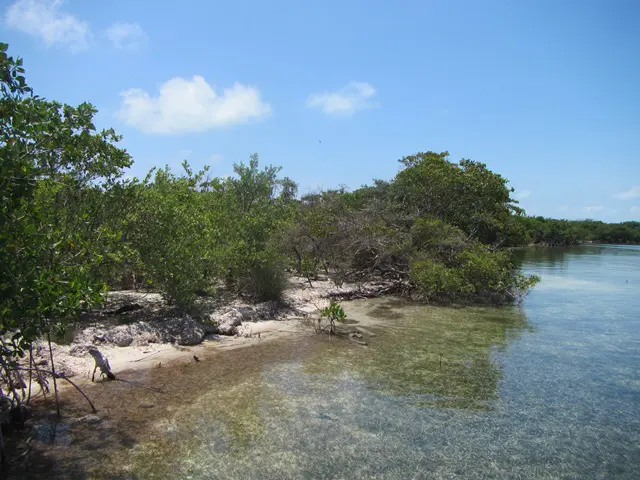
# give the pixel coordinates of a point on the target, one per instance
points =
(57, 375)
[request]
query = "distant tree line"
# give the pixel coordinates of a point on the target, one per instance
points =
(552, 232)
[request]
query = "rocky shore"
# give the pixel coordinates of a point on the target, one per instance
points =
(137, 329)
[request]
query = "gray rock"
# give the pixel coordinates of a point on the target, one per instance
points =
(80, 350)
(90, 419)
(99, 337)
(210, 329)
(267, 310)
(181, 330)
(63, 369)
(192, 337)
(228, 322)
(248, 313)
(122, 339)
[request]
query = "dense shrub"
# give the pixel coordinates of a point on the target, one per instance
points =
(476, 274)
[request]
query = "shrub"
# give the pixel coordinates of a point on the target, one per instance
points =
(266, 281)
(476, 274)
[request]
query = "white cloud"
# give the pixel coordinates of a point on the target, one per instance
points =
(191, 106)
(633, 192)
(594, 208)
(127, 36)
(346, 101)
(523, 194)
(43, 19)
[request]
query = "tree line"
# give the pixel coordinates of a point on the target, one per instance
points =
(553, 232)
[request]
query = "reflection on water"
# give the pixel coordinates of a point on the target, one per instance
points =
(550, 390)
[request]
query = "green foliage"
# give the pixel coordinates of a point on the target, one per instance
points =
(435, 280)
(465, 194)
(259, 207)
(552, 232)
(476, 273)
(432, 226)
(267, 280)
(190, 232)
(438, 238)
(171, 231)
(333, 313)
(54, 167)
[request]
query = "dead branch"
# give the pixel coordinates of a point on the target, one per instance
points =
(102, 363)
(57, 375)
(53, 369)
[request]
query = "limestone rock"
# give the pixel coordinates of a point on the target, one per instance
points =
(80, 350)
(228, 322)
(181, 330)
(90, 419)
(122, 339)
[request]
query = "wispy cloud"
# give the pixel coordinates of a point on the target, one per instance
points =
(521, 195)
(184, 105)
(594, 208)
(215, 158)
(184, 153)
(127, 36)
(633, 192)
(345, 101)
(45, 20)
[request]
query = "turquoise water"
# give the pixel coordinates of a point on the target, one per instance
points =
(549, 390)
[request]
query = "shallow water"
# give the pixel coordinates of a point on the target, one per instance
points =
(549, 390)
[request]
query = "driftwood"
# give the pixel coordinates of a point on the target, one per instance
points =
(101, 363)
(62, 377)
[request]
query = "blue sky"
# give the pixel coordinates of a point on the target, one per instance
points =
(547, 93)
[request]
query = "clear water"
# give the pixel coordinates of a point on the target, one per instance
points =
(548, 390)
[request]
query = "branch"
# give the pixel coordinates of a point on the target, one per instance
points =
(57, 375)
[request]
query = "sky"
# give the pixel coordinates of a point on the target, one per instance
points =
(546, 93)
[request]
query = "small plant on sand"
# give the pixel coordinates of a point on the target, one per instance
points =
(334, 312)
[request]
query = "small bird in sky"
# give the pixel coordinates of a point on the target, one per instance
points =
(319, 141)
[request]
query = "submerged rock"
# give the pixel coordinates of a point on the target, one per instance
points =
(90, 419)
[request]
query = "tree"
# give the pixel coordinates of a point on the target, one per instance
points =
(259, 206)
(466, 195)
(172, 233)
(52, 159)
